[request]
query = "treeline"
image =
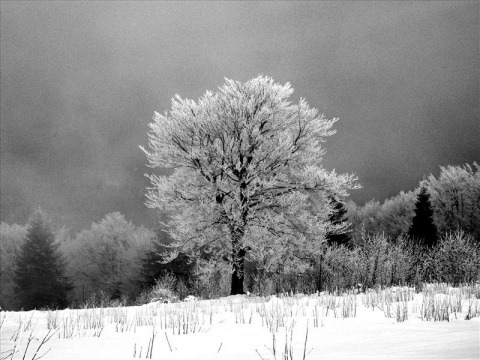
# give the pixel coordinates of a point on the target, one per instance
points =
(104, 261)
(429, 234)
(454, 198)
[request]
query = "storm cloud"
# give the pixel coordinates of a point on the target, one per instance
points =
(80, 82)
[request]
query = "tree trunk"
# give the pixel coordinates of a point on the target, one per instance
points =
(238, 273)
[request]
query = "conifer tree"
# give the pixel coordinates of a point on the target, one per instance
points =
(340, 235)
(11, 238)
(423, 228)
(40, 279)
(153, 267)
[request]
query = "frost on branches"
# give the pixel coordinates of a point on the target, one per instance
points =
(247, 180)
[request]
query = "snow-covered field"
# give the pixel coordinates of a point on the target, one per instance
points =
(387, 324)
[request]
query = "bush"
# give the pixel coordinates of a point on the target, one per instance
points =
(102, 299)
(377, 262)
(456, 260)
(336, 269)
(211, 279)
(381, 262)
(163, 290)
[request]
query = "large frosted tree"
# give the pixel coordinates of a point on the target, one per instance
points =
(247, 178)
(456, 198)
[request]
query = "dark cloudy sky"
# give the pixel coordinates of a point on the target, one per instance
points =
(80, 82)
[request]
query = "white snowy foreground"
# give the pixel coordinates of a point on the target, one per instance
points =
(388, 324)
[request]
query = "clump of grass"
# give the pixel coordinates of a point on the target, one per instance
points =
(53, 321)
(435, 308)
(401, 310)
(348, 306)
(473, 308)
(46, 338)
(273, 315)
(149, 352)
(287, 352)
(150, 344)
(316, 316)
(9, 354)
(393, 303)
(441, 300)
(2, 320)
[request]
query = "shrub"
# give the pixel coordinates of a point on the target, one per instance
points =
(163, 290)
(455, 260)
(376, 262)
(211, 279)
(103, 299)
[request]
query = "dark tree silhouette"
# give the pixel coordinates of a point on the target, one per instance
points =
(338, 218)
(153, 267)
(423, 228)
(40, 279)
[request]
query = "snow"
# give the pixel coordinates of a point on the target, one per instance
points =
(233, 328)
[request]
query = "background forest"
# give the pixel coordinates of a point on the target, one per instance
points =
(428, 234)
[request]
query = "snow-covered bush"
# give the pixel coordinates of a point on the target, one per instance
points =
(455, 260)
(163, 290)
(102, 299)
(211, 279)
(378, 262)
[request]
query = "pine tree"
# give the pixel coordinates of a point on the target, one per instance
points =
(153, 267)
(423, 228)
(338, 218)
(40, 279)
(11, 238)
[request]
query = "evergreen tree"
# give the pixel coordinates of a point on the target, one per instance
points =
(339, 236)
(40, 279)
(153, 267)
(11, 238)
(423, 228)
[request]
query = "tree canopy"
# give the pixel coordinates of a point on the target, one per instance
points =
(108, 257)
(456, 198)
(247, 176)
